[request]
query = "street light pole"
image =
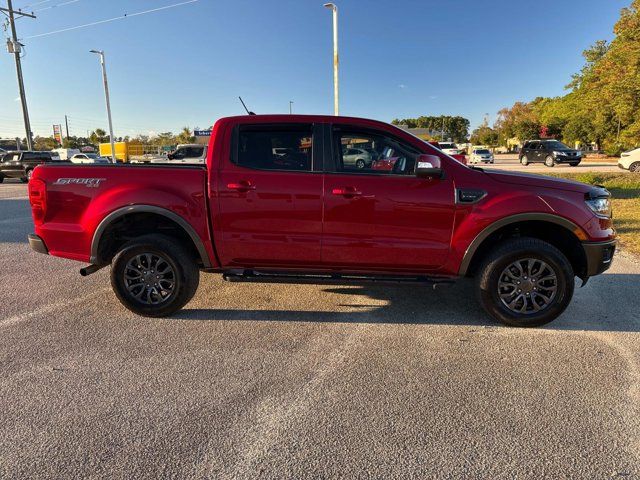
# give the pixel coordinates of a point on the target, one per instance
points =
(106, 95)
(334, 9)
(290, 107)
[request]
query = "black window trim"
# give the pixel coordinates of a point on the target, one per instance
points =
(317, 146)
(331, 164)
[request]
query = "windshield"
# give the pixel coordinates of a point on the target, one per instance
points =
(556, 145)
(482, 152)
(91, 155)
(446, 145)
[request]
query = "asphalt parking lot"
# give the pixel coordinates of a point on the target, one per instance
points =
(280, 381)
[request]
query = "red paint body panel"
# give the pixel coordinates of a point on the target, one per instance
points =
(323, 220)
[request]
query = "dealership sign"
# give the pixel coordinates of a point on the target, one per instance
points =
(57, 133)
(202, 133)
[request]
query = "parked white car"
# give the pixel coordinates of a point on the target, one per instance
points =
(449, 148)
(357, 157)
(630, 160)
(88, 158)
(481, 155)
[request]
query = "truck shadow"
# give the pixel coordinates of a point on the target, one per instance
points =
(608, 303)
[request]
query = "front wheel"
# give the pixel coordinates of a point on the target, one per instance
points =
(360, 163)
(525, 282)
(154, 275)
(634, 167)
(549, 161)
(574, 164)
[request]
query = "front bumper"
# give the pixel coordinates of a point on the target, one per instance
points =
(37, 244)
(599, 256)
(566, 159)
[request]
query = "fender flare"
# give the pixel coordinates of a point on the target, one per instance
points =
(503, 222)
(121, 212)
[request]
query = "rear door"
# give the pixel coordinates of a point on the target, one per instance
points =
(270, 197)
(382, 217)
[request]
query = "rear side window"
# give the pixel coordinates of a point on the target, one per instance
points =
(275, 148)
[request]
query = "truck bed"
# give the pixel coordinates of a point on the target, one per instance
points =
(76, 201)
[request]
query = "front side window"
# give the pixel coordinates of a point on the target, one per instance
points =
(373, 153)
(275, 148)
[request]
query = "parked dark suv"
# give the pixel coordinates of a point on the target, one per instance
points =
(549, 152)
(20, 164)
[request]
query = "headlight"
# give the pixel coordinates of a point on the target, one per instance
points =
(561, 154)
(600, 206)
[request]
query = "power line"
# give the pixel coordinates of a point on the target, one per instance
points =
(34, 4)
(68, 2)
(121, 17)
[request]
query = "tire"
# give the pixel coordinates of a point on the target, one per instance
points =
(1, 178)
(360, 163)
(24, 179)
(177, 267)
(524, 160)
(29, 175)
(549, 161)
(533, 253)
(574, 164)
(635, 167)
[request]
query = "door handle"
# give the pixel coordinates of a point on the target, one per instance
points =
(347, 192)
(241, 186)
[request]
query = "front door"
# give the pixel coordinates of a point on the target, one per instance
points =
(270, 198)
(381, 217)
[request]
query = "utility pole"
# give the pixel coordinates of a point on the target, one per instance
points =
(66, 123)
(290, 107)
(106, 96)
(15, 47)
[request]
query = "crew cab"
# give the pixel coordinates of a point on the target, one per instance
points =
(277, 202)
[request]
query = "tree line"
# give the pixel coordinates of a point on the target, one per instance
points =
(98, 136)
(441, 127)
(602, 106)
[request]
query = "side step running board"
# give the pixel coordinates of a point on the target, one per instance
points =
(331, 278)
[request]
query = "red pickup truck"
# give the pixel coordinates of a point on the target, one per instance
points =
(276, 202)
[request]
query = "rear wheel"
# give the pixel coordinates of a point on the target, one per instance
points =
(360, 163)
(574, 164)
(549, 161)
(525, 282)
(634, 167)
(524, 160)
(154, 275)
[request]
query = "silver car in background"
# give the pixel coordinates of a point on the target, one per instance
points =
(358, 157)
(481, 155)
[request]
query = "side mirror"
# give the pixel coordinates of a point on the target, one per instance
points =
(428, 166)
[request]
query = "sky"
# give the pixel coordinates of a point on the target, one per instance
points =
(186, 66)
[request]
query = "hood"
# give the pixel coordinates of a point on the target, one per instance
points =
(532, 180)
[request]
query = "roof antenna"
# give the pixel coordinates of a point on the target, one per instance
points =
(245, 107)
